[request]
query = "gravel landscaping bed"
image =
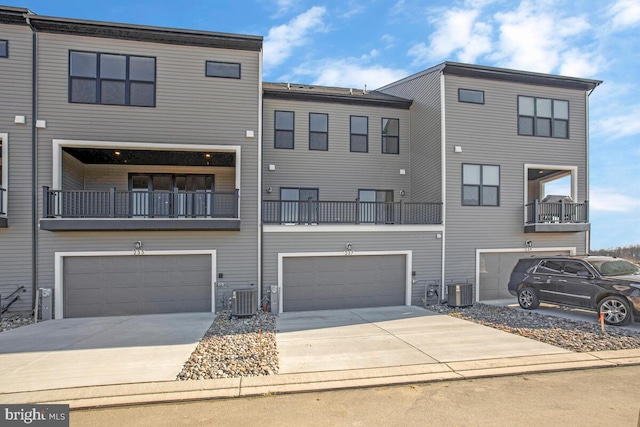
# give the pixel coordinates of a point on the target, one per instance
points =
(12, 321)
(235, 347)
(571, 335)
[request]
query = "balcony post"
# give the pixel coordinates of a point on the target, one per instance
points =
(112, 202)
(586, 211)
(237, 204)
(401, 211)
(174, 204)
(562, 209)
(357, 210)
(45, 202)
(535, 219)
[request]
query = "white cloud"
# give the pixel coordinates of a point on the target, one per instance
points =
(353, 9)
(535, 37)
(349, 72)
(283, 7)
(625, 13)
(283, 39)
(620, 126)
(607, 200)
(577, 63)
(457, 30)
(388, 39)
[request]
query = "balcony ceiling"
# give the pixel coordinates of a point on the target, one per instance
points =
(151, 157)
(535, 174)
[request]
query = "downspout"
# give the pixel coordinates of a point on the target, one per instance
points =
(259, 130)
(586, 131)
(443, 177)
(34, 145)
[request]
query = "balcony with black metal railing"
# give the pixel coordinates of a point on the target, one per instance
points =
(562, 216)
(139, 210)
(350, 212)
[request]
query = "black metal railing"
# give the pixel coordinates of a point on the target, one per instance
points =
(350, 212)
(3, 203)
(561, 212)
(139, 204)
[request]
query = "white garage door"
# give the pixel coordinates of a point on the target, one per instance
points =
(130, 285)
(339, 282)
(495, 271)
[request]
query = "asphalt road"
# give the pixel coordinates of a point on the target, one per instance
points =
(576, 398)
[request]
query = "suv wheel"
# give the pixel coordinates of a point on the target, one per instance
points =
(528, 299)
(616, 310)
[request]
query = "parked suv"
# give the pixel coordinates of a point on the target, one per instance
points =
(608, 285)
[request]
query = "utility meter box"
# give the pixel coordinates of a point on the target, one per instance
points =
(46, 303)
(275, 299)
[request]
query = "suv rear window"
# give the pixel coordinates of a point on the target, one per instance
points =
(618, 267)
(524, 264)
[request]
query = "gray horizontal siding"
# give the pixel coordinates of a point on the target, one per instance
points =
(426, 176)
(426, 251)
(15, 100)
(338, 173)
(488, 135)
(104, 177)
(190, 109)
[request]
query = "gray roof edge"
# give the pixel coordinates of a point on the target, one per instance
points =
(414, 76)
(495, 72)
(94, 28)
(14, 15)
(449, 67)
(388, 100)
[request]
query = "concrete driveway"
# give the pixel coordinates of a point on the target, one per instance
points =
(98, 351)
(332, 340)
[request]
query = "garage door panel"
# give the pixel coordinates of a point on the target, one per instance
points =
(322, 283)
(495, 272)
(129, 285)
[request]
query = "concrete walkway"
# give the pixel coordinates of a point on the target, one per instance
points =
(318, 351)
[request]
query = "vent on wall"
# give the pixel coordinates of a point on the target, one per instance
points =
(244, 302)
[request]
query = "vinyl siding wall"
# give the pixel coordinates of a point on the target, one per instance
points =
(190, 109)
(79, 176)
(15, 100)
(426, 176)
(488, 135)
(337, 173)
(427, 251)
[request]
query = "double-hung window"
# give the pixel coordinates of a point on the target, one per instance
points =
(284, 125)
(359, 134)
(318, 131)
(391, 136)
(543, 117)
(480, 185)
(102, 78)
(299, 205)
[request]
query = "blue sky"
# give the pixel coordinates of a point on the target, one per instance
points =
(352, 43)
